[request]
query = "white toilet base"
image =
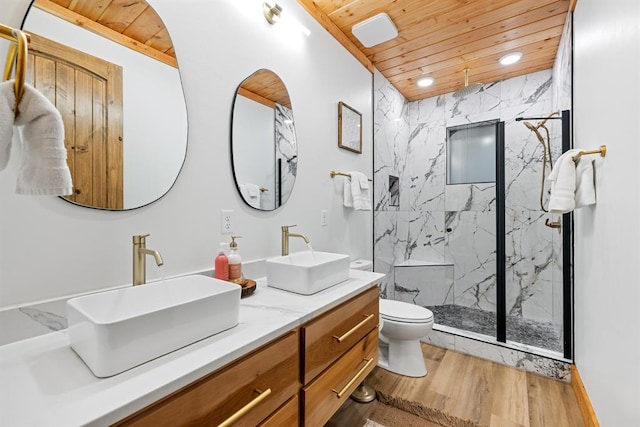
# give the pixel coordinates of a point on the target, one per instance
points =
(403, 357)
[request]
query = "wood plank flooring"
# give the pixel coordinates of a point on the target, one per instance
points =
(473, 389)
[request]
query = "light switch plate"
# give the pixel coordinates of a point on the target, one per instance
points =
(324, 218)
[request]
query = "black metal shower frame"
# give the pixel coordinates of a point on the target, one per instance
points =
(567, 242)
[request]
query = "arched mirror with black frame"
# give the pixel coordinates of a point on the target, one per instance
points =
(264, 150)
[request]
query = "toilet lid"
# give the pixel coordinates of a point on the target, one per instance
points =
(404, 312)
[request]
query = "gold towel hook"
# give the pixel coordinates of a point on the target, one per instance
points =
(16, 54)
(602, 151)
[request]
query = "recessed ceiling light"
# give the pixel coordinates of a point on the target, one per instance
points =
(425, 81)
(510, 58)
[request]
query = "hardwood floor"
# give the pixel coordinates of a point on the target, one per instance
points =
(468, 388)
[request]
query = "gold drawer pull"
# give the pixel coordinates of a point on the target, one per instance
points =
(246, 408)
(345, 336)
(354, 379)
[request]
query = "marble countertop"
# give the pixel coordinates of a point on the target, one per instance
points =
(43, 382)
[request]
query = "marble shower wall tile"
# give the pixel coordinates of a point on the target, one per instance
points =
(479, 197)
(426, 175)
(471, 248)
(530, 265)
(430, 207)
(424, 285)
(391, 136)
(426, 236)
(521, 359)
(562, 69)
(286, 153)
(384, 246)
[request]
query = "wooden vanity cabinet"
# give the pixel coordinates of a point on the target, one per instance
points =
(301, 378)
(339, 349)
(265, 381)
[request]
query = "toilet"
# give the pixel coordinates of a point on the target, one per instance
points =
(402, 325)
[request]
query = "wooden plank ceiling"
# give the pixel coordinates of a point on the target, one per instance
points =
(132, 23)
(440, 38)
(265, 87)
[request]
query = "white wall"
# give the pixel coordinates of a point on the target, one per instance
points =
(607, 257)
(49, 248)
(254, 147)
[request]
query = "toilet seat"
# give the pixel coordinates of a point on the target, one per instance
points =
(404, 312)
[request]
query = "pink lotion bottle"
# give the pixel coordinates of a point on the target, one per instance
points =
(221, 264)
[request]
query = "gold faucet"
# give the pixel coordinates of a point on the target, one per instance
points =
(285, 238)
(139, 260)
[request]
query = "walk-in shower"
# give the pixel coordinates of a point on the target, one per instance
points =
(466, 236)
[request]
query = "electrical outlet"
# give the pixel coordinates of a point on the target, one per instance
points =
(226, 221)
(324, 218)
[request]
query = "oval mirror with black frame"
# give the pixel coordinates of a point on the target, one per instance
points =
(264, 151)
(112, 72)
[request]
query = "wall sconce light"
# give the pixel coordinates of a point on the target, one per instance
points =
(271, 11)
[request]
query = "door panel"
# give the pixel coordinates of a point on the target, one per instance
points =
(88, 93)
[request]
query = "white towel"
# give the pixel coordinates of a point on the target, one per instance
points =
(7, 99)
(563, 184)
(585, 182)
(253, 190)
(44, 170)
(347, 198)
(251, 194)
(572, 186)
(360, 191)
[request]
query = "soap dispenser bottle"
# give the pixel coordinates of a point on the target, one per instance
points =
(235, 262)
(222, 263)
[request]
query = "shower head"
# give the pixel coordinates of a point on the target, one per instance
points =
(468, 89)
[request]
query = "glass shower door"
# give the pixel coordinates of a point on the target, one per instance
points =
(534, 279)
(470, 228)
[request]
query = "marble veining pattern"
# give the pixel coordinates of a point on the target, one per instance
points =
(436, 222)
(286, 153)
(523, 358)
(51, 321)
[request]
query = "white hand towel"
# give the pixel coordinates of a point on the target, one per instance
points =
(563, 184)
(251, 194)
(347, 197)
(44, 169)
(360, 191)
(253, 190)
(585, 182)
(7, 99)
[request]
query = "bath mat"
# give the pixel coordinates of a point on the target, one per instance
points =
(387, 416)
(415, 413)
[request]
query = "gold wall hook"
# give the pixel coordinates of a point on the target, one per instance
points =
(556, 224)
(602, 151)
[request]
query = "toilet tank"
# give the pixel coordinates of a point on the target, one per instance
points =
(361, 264)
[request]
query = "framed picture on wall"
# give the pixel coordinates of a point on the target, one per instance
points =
(349, 128)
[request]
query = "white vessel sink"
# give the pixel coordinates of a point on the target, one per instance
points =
(116, 330)
(307, 272)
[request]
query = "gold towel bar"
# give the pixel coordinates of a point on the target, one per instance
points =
(262, 189)
(602, 151)
(17, 53)
(333, 174)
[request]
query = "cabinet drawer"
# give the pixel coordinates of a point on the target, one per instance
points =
(288, 415)
(320, 337)
(322, 398)
(262, 381)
